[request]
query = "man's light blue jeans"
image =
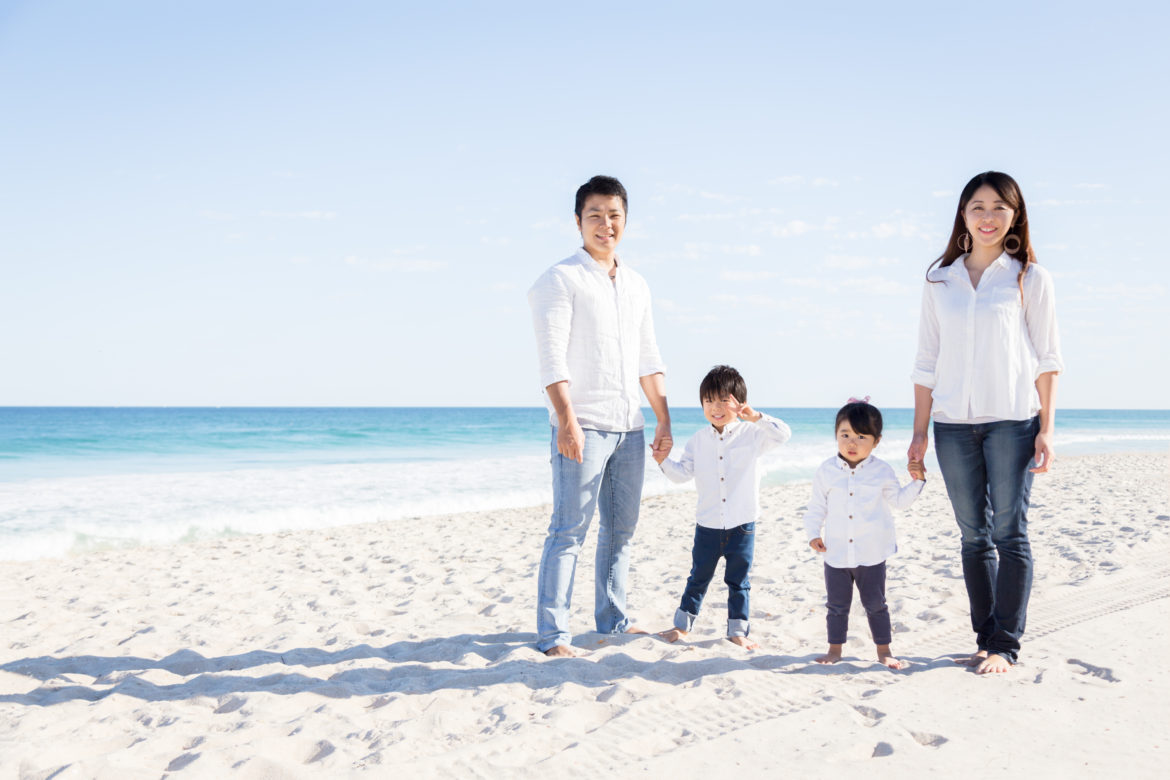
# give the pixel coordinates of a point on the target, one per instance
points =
(610, 480)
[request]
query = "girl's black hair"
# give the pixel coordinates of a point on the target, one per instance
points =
(863, 417)
(720, 382)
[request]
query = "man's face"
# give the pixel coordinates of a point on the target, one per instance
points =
(601, 223)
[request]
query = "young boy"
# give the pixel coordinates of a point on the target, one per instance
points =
(722, 460)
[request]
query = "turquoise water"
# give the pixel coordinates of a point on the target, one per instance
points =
(74, 479)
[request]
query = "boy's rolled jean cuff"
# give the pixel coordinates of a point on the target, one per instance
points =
(737, 627)
(683, 620)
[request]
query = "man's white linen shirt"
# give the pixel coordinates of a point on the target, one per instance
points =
(850, 510)
(980, 350)
(725, 469)
(596, 333)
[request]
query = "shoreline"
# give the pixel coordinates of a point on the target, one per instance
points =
(369, 647)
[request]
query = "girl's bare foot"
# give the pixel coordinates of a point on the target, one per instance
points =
(672, 635)
(831, 657)
(560, 651)
(743, 642)
(886, 656)
(993, 664)
(973, 660)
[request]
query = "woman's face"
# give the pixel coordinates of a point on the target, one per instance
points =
(988, 217)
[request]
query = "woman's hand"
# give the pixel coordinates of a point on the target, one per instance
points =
(1044, 456)
(918, 445)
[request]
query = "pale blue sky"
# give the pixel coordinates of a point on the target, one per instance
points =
(345, 203)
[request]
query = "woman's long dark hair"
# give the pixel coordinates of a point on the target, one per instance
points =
(1007, 189)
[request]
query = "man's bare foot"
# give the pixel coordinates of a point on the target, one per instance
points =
(831, 657)
(635, 630)
(560, 651)
(672, 635)
(993, 664)
(743, 642)
(973, 660)
(886, 656)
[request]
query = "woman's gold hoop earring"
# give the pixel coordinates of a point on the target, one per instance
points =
(965, 242)
(1007, 244)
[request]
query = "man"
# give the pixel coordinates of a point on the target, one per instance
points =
(595, 343)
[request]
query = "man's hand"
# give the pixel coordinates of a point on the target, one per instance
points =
(917, 470)
(571, 439)
(663, 443)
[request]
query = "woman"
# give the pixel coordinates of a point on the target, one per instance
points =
(988, 358)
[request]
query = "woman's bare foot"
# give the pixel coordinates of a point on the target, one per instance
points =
(831, 657)
(560, 651)
(743, 642)
(886, 656)
(672, 635)
(973, 660)
(993, 664)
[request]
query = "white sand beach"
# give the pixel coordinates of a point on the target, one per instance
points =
(405, 647)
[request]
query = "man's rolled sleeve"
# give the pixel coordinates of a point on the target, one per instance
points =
(649, 359)
(552, 318)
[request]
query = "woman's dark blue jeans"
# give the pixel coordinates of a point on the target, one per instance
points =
(985, 468)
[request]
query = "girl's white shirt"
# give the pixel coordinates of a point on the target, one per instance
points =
(981, 349)
(850, 510)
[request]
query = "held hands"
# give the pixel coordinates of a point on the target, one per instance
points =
(663, 443)
(818, 545)
(742, 411)
(917, 470)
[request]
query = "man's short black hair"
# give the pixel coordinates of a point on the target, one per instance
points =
(863, 417)
(721, 382)
(601, 185)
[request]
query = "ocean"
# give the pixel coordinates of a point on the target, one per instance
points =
(79, 479)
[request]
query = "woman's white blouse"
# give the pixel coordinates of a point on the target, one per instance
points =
(981, 349)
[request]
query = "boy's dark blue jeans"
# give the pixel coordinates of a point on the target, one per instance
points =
(737, 545)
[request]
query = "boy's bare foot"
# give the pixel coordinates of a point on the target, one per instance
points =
(886, 656)
(743, 642)
(831, 657)
(672, 635)
(560, 651)
(973, 660)
(993, 664)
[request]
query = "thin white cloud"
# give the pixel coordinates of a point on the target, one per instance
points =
(822, 181)
(396, 265)
(857, 262)
(746, 276)
(310, 215)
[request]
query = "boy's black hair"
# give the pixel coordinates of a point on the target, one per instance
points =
(721, 382)
(601, 185)
(863, 417)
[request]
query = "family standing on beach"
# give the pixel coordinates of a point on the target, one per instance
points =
(986, 367)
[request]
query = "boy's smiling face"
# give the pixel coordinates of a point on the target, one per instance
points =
(718, 413)
(854, 447)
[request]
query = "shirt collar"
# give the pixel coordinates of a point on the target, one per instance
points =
(728, 428)
(960, 266)
(841, 464)
(584, 258)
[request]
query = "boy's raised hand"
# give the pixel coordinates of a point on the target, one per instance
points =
(742, 411)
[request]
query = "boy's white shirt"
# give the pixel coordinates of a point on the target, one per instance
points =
(725, 469)
(850, 510)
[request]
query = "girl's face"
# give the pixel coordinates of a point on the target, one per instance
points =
(854, 447)
(988, 217)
